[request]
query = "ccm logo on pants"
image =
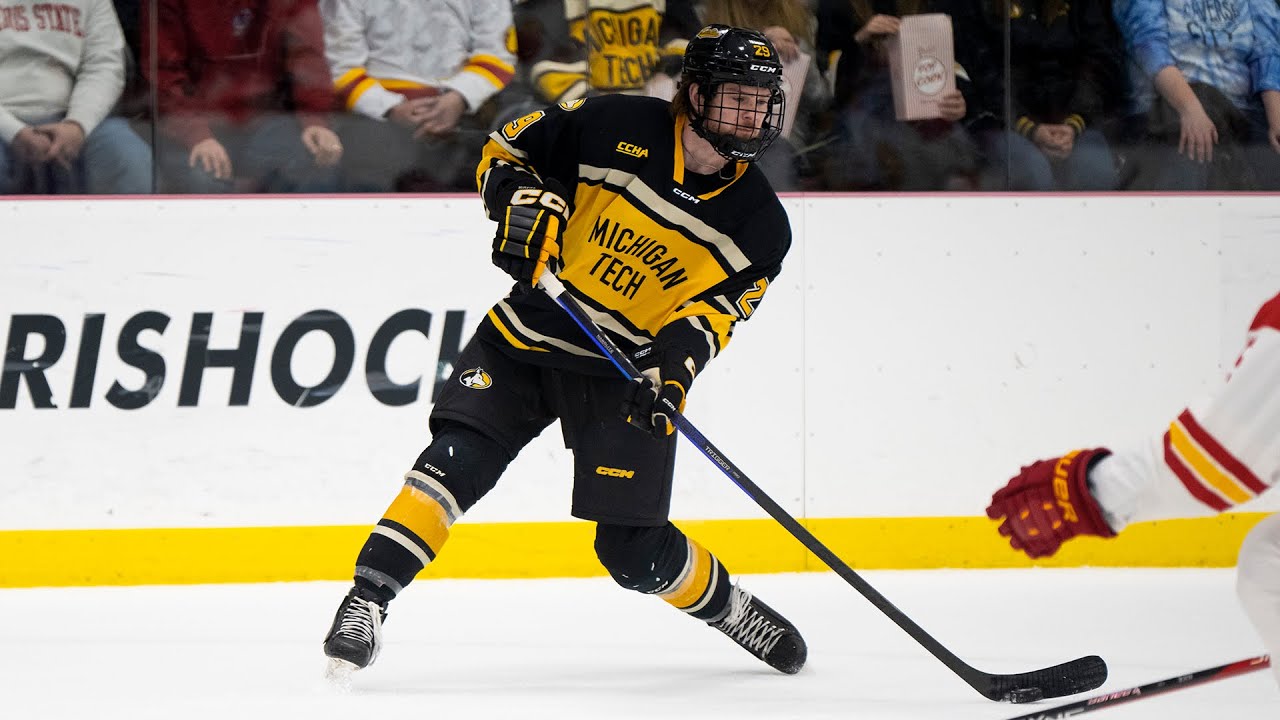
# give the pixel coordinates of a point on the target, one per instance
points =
(615, 472)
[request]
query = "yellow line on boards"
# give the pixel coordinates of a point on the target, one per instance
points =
(61, 558)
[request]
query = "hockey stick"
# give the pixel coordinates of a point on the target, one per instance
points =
(1072, 677)
(1098, 702)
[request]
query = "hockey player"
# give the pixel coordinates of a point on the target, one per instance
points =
(654, 217)
(1209, 460)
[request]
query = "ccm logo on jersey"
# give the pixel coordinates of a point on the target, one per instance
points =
(686, 195)
(476, 379)
(765, 68)
(627, 148)
(615, 472)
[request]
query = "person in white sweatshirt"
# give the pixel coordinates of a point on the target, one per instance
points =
(61, 72)
(422, 86)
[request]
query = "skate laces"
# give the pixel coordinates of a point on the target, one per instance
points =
(748, 626)
(362, 620)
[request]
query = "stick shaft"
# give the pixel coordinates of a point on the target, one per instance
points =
(1199, 677)
(980, 681)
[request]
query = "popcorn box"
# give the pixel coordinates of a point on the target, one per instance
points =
(921, 65)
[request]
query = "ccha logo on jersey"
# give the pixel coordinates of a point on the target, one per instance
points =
(635, 151)
(571, 105)
(476, 379)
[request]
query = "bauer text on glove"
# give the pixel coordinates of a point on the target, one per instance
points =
(1049, 502)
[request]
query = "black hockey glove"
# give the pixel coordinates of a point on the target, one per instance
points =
(530, 226)
(648, 402)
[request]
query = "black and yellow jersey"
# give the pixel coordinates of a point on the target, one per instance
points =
(649, 248)
(575, 48)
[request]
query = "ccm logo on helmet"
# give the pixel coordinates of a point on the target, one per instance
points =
(765, 68)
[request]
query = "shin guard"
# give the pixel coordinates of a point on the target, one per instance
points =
(663, 561)
(455, 471)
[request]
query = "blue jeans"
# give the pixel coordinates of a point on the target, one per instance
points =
(1250, 163)
(114, 160)
(1090, 166)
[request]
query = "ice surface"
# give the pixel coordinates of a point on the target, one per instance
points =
(564, 649)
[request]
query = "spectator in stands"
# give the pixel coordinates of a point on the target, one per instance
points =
(790, 25)
(61, 72)
(1206, 92)
(576, 48)
(967, 148)
(243, 94)
(422, 81)
(875, 151)
(1065, 73)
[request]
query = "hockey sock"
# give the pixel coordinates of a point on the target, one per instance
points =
(663, 561)
(702, 588)
(455, 471)
(408, 537)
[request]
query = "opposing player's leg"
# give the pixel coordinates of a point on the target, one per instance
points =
(488, 411)
(1258, 584)
(622, 480)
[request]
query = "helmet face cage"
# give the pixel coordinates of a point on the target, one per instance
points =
(718, 56)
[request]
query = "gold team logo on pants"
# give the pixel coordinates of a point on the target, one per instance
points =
(476, 379)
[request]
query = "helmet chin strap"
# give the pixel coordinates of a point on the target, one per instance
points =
(697, 157)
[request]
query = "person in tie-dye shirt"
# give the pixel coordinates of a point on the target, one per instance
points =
(1209, 70)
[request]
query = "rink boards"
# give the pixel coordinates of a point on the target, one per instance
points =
(218, 390)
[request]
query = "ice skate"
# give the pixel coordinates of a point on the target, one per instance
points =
(355, 637)
(763, 632)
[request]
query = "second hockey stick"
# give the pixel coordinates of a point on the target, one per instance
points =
(1079, 675)
(1098, 702)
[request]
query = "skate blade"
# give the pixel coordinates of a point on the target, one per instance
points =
(338, 674)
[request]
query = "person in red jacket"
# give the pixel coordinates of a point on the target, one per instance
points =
(243, 94)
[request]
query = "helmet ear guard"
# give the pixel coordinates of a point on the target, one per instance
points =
(720, 55)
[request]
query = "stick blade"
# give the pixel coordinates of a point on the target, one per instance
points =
(1069, 678)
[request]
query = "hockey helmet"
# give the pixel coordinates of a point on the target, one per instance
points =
(721, 54)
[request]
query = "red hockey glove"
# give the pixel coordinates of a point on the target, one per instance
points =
(648, 402)
(1049, 503)
(530, 226)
